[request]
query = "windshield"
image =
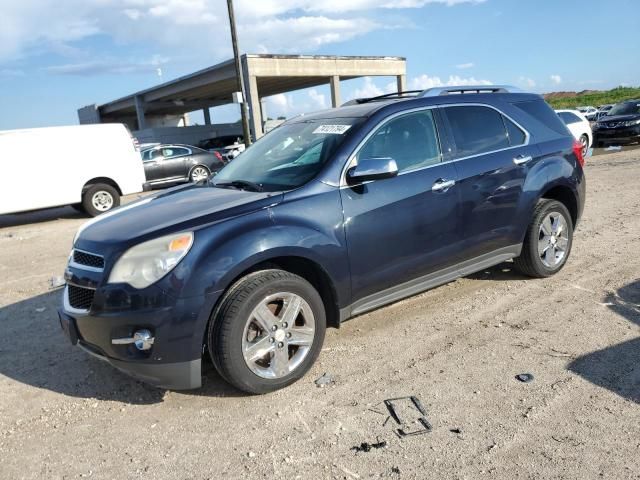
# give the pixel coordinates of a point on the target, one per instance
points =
(287, 157)
(628, 108)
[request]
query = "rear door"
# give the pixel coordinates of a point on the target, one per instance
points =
(401, 228)
(175, 164)
(152, 161)
(492, 156)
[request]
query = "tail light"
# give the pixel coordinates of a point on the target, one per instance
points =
(218, 156)
(577, 150)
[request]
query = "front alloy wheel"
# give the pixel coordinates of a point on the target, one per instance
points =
(267, 331)
(278, 335)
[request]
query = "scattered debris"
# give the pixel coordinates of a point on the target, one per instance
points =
(40, 309)
(366, 447)
(568, 440)
(395, 470)
(324, 380)
(613, 148)
(251, 454)
(524, 377)
(456, 430)
(55, 282)
(409, 413)
(492, 446)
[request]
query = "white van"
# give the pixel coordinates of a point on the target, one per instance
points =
(86, 166)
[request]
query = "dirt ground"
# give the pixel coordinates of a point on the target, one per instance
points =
(457, 348)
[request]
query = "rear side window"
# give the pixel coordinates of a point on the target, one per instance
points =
(568, 118)
(541, 111)
(477, 130)
(516, 135)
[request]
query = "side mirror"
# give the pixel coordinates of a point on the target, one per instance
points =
(372, 169)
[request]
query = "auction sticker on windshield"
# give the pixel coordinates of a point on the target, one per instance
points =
(332, 129)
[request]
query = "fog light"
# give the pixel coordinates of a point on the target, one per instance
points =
(142, 339)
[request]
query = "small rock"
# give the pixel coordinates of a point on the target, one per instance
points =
(524, 377)
(40, 309)
(251, 454)
(324, 380)
(456, 430)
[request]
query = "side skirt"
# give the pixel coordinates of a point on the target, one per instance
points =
(429, 281)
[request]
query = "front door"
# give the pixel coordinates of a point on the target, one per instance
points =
(402, 228)
(174, 164)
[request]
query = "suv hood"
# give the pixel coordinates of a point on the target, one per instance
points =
(178, 209)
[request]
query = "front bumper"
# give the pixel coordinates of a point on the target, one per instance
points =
(617, 135)
(174, 360)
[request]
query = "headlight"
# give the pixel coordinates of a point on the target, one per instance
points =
(632, 123)
(144, 264)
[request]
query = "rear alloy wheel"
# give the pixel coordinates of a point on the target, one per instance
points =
(199, 173)
(584, 141)
(548, 240)
(268, 331)
(99, 198)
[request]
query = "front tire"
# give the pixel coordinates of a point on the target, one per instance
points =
(99, 198)
(267, 332)
(548, 241)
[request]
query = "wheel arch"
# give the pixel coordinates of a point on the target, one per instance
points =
(565, 195)
(105, 180)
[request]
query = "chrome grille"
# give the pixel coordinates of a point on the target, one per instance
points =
(88, 259)
(80, 298)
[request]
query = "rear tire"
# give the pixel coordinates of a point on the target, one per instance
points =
(548, 241)
(99, 198)
(584, 141)
(267, 331)
(199, 173)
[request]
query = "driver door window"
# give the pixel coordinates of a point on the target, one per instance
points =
(411, 140)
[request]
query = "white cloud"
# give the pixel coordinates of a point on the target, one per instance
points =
(424, 81)
(527, 82)
(464, 66)
(109, 66)
(265, 25)
(557, 79)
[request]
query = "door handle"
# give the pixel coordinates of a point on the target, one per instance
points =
(522, 159)
(442, 185)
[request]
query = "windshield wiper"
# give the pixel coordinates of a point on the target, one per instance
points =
(241, 185)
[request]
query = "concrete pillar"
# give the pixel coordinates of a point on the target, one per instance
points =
(334, 81)
(254, 107)
(207, 116)
(139, 102)
(402, 83)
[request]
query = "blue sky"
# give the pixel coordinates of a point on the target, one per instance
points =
(58, 56)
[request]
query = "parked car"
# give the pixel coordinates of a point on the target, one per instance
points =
(579, 126)
(167, 164)
(603, 110)
(329, 216)
(620, 126)
(590, 112)
(86, 166)
(223, 141)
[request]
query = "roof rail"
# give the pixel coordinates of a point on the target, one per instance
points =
(403, 94)
(439, 91)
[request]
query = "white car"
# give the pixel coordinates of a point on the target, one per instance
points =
(579, 126)
(590, 112)
(86, 166)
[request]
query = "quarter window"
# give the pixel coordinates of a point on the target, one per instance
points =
(477, 130)
(516, 135)
(411, 140)
(568, 118)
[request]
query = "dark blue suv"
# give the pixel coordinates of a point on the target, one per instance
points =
(329, 216)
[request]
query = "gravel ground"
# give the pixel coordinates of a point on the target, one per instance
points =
(457, 348)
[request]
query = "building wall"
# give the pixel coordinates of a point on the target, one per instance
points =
(89, 114)
(187, 135)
